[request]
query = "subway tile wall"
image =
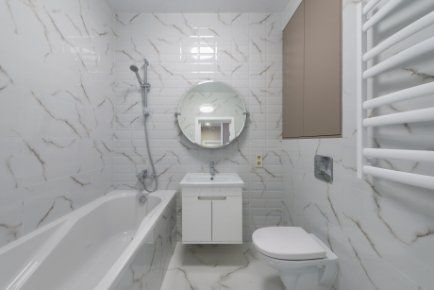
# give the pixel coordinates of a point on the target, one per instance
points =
(243, 50)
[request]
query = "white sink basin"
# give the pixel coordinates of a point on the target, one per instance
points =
(205, 179)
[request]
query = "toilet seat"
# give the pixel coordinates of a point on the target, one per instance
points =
(288, 243)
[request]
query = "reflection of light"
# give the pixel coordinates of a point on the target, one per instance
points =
(206, 109)
(208, 124)
(202, 49)
(203, 56)
(202, 52)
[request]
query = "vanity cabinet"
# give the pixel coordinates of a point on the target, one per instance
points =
(196, 219)
(211, 215)
(226, 220)
(312, 71)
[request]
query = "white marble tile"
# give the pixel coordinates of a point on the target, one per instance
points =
(241, 56)
(219, 267)
(55, 75)
(380, 231)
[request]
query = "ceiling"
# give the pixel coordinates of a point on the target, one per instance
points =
(196, 6)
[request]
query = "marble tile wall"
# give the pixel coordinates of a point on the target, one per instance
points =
(56, 109)
(382, 232)
(243, 50)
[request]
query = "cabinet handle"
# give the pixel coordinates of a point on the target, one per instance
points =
(211, 197)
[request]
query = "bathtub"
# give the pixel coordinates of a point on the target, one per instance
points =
(90, 248)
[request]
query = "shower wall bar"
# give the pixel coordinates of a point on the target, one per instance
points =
(371, 13)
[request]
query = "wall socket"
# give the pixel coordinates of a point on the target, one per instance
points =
(258, 161)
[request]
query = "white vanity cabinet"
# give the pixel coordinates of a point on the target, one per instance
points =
(212, 213)
(227, 215)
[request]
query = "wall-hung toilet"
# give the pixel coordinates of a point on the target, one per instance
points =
(303, 261)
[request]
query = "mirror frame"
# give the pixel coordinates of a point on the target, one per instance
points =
(244, 125)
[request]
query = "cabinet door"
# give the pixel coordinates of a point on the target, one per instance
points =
(293, 74)
(227, 220)
(322, 68)
(196, 220)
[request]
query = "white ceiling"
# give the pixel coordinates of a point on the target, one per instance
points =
(196, 6)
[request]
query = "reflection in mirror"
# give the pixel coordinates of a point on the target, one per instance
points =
(214, 132)
(211, 114)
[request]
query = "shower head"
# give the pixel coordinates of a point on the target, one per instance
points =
(134, 68)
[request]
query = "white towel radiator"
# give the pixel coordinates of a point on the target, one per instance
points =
(370, 14)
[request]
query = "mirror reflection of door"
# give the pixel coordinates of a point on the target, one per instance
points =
(211, 134)
(214, 132)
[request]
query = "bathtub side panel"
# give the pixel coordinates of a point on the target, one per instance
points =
(147, 269)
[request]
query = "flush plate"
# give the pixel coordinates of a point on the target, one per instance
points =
(324, 168)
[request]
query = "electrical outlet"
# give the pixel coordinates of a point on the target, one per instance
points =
(258, 161)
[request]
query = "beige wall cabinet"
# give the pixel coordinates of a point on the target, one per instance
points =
(312, 71)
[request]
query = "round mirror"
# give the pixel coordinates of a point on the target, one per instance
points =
(211, 114)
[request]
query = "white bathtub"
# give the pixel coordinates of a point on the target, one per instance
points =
(86, 249)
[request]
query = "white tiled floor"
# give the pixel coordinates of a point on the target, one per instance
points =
(218, 267)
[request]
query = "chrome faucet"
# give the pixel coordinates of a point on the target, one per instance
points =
(142, 197)
(212, 169)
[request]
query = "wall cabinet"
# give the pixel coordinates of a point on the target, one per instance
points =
(212, 216)
(312, 71)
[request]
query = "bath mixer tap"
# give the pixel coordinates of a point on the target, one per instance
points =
(142, 197)
(212, 169)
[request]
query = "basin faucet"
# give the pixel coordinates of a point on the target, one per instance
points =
(212, 169)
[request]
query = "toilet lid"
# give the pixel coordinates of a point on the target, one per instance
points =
(287, 243)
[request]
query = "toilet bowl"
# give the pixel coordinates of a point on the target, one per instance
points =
(303, 261)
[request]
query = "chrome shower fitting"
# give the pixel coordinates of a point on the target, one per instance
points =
(144, 175)
(142, 82)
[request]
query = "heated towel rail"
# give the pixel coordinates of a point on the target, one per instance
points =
(371, 13)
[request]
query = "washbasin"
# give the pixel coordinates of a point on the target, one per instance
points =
(205, 179)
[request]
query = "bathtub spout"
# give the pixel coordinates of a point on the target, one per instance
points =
(142, 195)
(142, 198)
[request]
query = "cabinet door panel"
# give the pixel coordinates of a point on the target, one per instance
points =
(322, 70)
(293, 74)
(196, 220)
(227, 220)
